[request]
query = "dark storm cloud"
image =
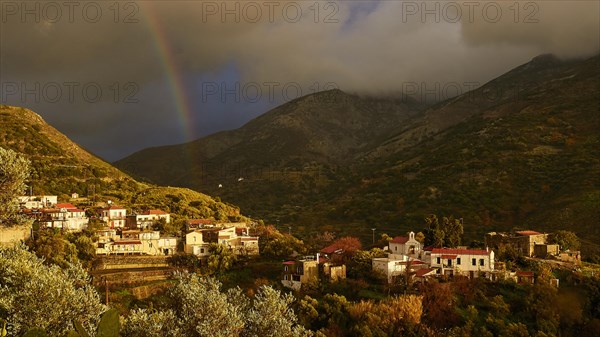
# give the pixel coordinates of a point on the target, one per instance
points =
(371, 47)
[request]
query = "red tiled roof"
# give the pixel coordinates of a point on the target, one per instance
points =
(333, 248)
(65, 205)
(450, 251)
(417, 262)
(289, 262)
(399, 239)
(525, 273)
(424, 271)
(527, 233)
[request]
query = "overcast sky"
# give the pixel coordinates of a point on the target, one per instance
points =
(119, 78)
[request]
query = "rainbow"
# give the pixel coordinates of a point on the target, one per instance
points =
(175, 81)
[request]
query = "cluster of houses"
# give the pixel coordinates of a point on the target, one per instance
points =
(197, 241)
(134, 234)
(407, 256)
(233, 235)
(49, 213)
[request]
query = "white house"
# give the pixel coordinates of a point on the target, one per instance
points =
(126, 247)
(168, 245)
(194, 244)
(148, 218)
(64, 216)
(462, 261)
(114, 216)
(390, 267)
(38, 201)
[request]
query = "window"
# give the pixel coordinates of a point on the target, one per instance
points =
(396, 248)
(474, 262)
(285, 277)
(201, 250)
(481, 262)
(458, 260)
(286, 269)
(438, 260)
(450, 262)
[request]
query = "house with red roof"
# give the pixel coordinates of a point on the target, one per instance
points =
(199, 223)
(459, 261)
(423, 274)
(524, 277)
(404, 255)
(405, 245)
(114, 216)
(64, 216)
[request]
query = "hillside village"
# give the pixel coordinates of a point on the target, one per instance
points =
(137, 256)
(118, 232)
(124, 233)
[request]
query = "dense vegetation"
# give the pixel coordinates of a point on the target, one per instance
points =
(362, 305)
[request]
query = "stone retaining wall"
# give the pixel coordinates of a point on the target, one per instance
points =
(130, 262)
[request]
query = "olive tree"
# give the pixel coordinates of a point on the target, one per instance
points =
(147, 323)
(202, 309)
(271, 315)
(14, 171)
(36, 295)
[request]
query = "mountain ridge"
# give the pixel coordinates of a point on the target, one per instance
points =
(500, 156)
(61, 167)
